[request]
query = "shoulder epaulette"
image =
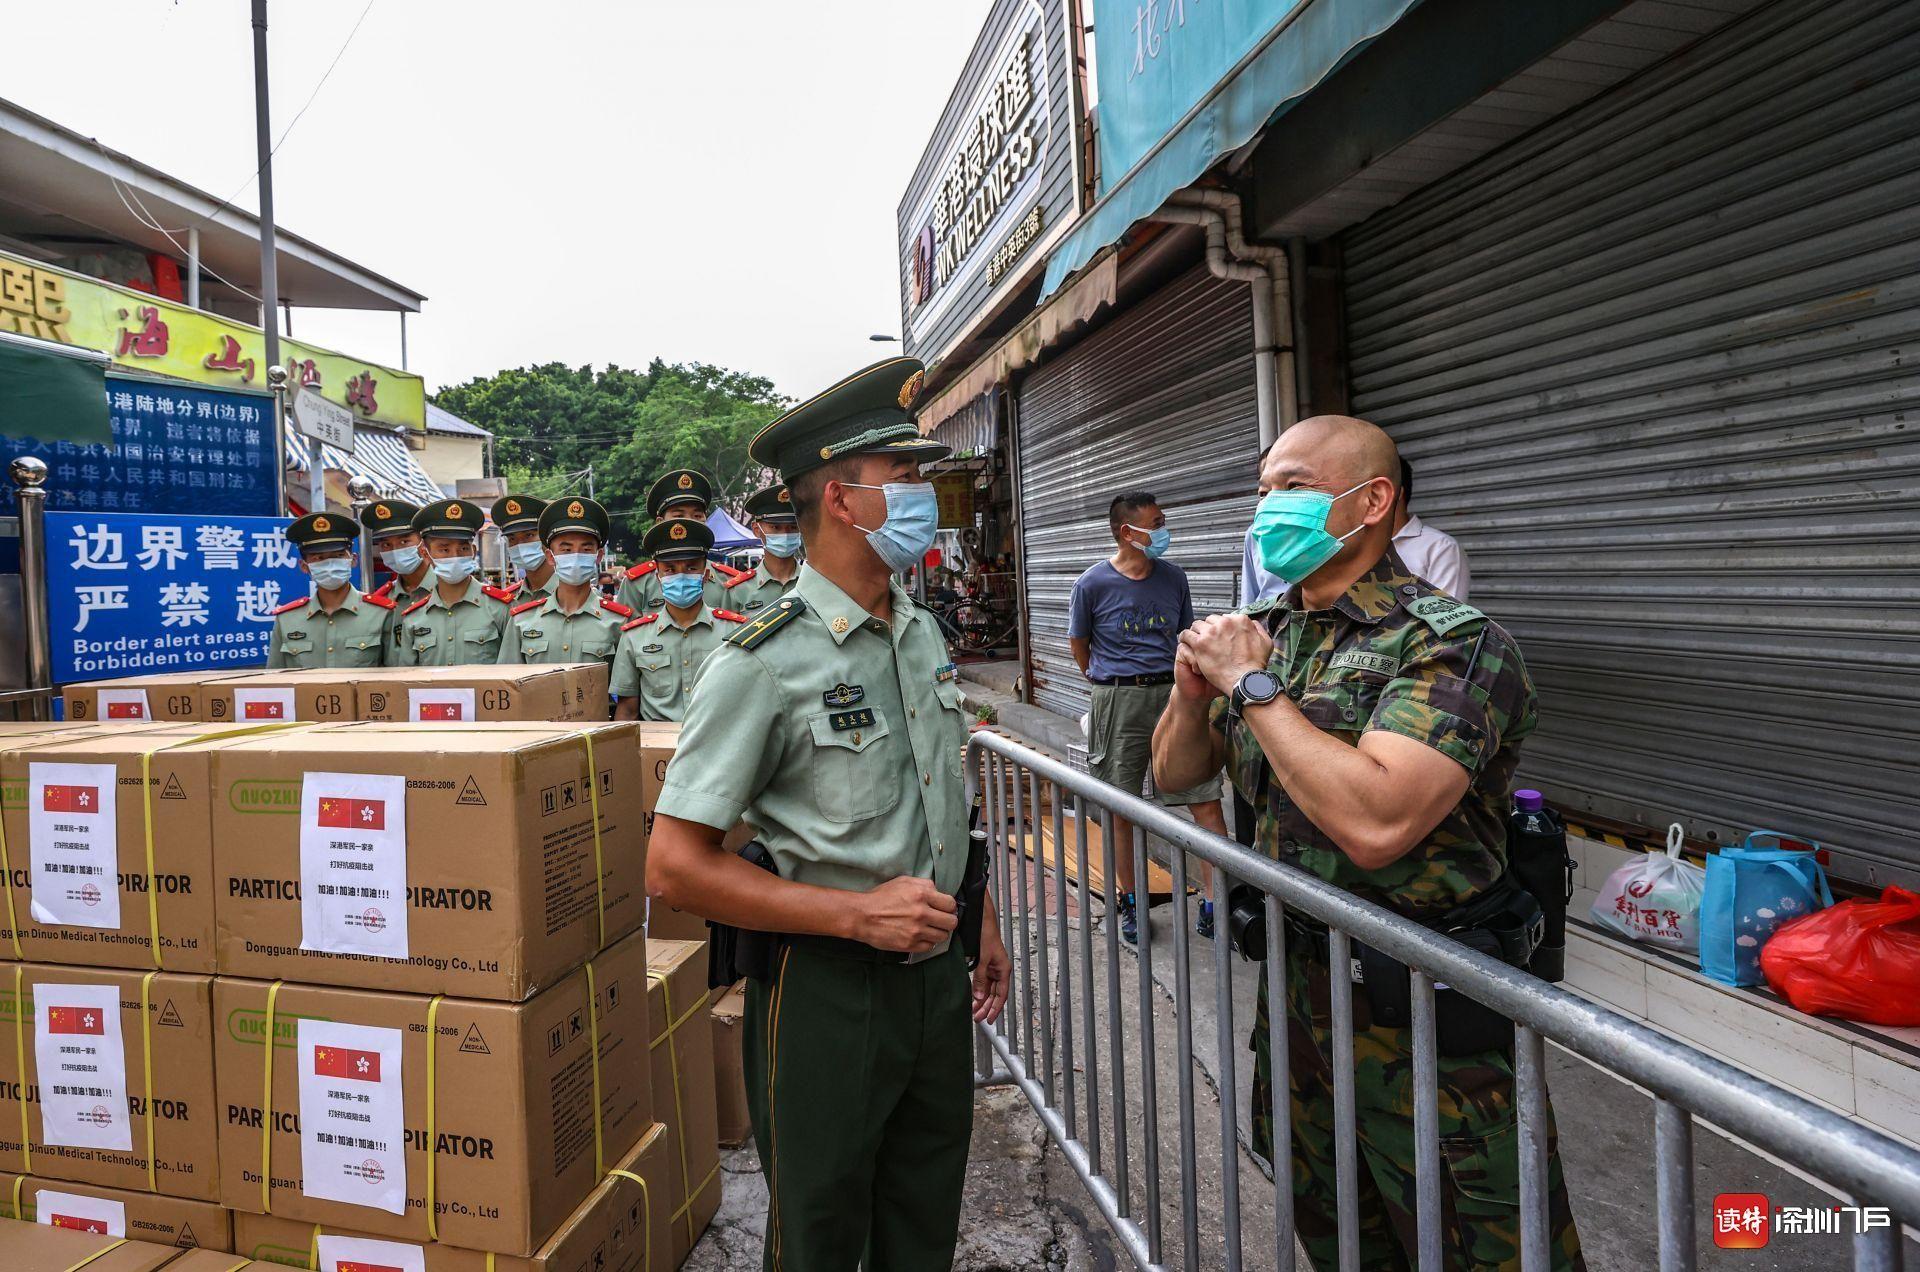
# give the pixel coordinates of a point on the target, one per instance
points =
(1260, 606)
(745, 576)
(641, 621)
(730, 616)
(500, 594)
(292, 605)
(417, 604)
(641, 570)
(617, 608)
(512, 589)
(524, 606)
(382, 590)
(729, 571)
(374, 598)
(771, 620)
(1443, 613)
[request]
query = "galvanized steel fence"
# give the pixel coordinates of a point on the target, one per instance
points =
(1047, 1044)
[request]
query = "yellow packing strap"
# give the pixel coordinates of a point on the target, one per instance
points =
(6, 877)
(20, 1063)
(19, 1181)
(599, 858)
(433, 1114)
(146, 1060)
(96, 1254)
(266, 1107)
(646, 1216)
(593, 1041)
(679, 1109)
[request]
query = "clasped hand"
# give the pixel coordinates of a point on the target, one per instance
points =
(1215, 652)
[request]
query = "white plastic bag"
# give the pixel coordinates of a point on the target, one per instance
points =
(1655, 898)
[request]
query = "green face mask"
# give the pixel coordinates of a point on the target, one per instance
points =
(1290, 533)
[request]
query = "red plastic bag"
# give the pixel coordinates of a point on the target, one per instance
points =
(1859, 960)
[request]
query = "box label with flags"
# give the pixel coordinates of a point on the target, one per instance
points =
(352, 1124)
(82, 1067)
(124, 704)
(263, 706)
(99, 1215)
(73, 844)
(427, 706)
(363, 1254)
(353, 864)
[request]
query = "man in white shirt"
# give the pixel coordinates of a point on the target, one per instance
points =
(1430, 554)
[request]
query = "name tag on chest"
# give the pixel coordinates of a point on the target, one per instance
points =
(845, 720)
(1364, 660)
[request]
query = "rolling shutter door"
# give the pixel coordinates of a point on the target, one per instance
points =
(1653, 365)
(1161, 399)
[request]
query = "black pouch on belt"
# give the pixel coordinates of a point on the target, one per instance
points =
(736, 952)
(971, 901)
(1507, 924)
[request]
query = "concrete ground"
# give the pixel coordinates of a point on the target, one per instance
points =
(1027, 1209)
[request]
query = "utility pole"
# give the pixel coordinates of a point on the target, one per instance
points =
(269, 252)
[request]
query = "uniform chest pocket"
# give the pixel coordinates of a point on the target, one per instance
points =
(481, 637)
(852, 779)
(533, 646)
(1344, 705)
(949, 695)
(601, 649)
(366, 649)
(296, 643)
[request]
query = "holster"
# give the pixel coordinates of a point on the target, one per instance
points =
(734, 952)
(970, 903)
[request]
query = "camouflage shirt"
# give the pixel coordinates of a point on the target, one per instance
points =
(1394, 653)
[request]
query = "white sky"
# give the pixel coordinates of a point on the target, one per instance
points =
(566, 180)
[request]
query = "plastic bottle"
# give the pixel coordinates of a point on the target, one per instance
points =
(1537, 854)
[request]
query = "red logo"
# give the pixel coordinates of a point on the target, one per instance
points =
(70, 799)
(1640, 887)
(373, 921)
(75, 1020)
(439, 711)
(373, 1172)
(126, 711)
(1741, 1221)
(344, 1266)
(345, 1062)
(266, 711)
(89, 895)
(360, 814)
(98, 1226)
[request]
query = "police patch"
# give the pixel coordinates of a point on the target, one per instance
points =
(652, 649)
(1361, 660)
(842, 721)
(844, 695)
(1443, 613)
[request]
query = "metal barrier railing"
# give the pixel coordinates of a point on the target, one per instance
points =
(1036, 1038)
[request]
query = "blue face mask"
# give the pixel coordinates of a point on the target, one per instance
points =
(528, 556)
(682, 591)
(1157, 541)
(576, 567)
(455, 569)
(331, 573)
(783, 545)
(1290, 533)
(402, 561)
(913, 516)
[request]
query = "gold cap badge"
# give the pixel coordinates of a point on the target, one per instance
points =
(676, 531)
(513, 507)
(911, 389)
(382, 511)
(574, 509)
(686, 481)
(321, 525)
(453, 512)
(785, 497)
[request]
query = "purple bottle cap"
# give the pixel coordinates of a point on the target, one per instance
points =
(1529, 801)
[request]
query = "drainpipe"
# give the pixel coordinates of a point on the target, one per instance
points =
(1221, 265)
(1274, 260)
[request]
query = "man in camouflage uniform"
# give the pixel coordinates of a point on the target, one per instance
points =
(1374, 725)
(574, 624)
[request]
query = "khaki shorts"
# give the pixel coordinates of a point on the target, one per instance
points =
(1120, 741)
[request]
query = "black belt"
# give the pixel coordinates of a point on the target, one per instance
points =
(1136, 682)
(840, 947)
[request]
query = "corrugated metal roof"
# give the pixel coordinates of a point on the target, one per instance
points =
(439, 421)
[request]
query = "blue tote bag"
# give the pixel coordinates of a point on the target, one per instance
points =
(1753, 888)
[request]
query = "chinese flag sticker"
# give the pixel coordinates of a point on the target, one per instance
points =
(70, 799)
(345, 1062)
(439, 711)
(125, 711)
(265, 711)
(98, 1226)
(75, 1020)
(346, 1266)
(1741, 1221)
(364, 814)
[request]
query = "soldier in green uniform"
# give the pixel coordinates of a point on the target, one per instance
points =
(833, 725)
(680, 494)
(517, 517)
(390, 524)
(336, 626)
(1374, 724)
(661, 653)
(459, 621)
(574, 624)
(771, 512)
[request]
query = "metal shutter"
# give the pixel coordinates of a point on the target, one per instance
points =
(1161, 399)
(1653, 364)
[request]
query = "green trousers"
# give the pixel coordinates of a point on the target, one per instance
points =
(860, 1083)
(1479, 1140)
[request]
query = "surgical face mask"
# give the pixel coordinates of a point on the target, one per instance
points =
(528, 556)
(682, 590)
(783, 545)
(1157, 541)
(402, 561)
(1290, 533)
(913, 516)
(331, 573)
(576, 567)
(455, 569)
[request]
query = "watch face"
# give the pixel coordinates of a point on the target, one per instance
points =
(1260, 686)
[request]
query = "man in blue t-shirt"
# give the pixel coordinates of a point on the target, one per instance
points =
(1124, 624)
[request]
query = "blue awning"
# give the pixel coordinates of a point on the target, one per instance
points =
(1292, 60)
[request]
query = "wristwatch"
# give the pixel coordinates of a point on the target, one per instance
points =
(1255, 689)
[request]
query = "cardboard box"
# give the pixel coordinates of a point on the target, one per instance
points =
(272, 697)
(558, 691)
(658, 739)
(495, 852)
(34, 1247)
(175, 1035)
(729, 1070)
(209, 1261)
(105, 919)
(143, 1216)
(166, 698)
(682, 1044)
(512, 1112)
(618, 1228)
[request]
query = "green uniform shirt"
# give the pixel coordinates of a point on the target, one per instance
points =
(659, 660)
(1396, 654)
(642, 595)
(355, 635)
(759, 591)
(402, 596)
(839, 737)
(522, 591)
(539, 631)
(434, 635)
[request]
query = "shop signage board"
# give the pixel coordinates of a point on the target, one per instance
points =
(322, 420)
(132, 594)
(998, 182)
(146, 333)
(177, 448)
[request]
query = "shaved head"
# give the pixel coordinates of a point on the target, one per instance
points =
(1330, 453)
